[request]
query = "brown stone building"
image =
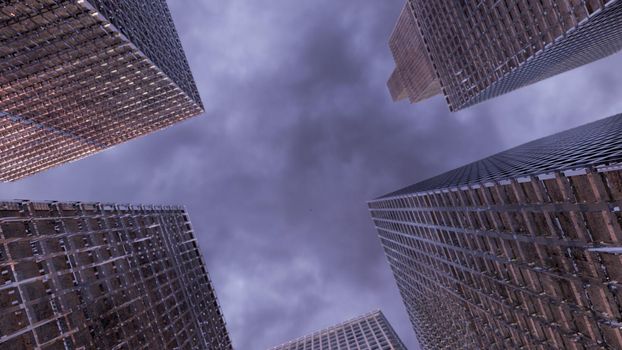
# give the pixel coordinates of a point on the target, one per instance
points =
(520, 250)
(100, 276)
(80, 76)
(483, 49)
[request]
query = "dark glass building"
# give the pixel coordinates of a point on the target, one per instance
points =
(103, 276)
(483, 49)
(520, 250)
(80, 76)
(366, 332)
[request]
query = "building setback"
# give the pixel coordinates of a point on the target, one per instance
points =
(81, 275)
(80, 76)
(369, 331)
(414, 76)
(483, 49)
(518, 250)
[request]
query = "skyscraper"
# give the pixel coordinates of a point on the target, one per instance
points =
(369, 331)
(82, 275)
(518, 250)
(483, 49)
(414, 76)
(80, 76)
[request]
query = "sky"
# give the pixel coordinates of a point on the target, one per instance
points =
(299, 132)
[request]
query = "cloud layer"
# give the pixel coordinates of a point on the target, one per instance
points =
(298, 134)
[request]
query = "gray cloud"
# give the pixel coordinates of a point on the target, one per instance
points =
(299, 132)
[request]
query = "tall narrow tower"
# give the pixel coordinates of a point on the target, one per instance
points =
(483, 49)
(103, 276)
(518, 250)
(80, 76)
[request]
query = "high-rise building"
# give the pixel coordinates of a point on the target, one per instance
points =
(103, 276)
(369, 331)
(483, 49)
(520, 250)
(414, 76)
(80, 76)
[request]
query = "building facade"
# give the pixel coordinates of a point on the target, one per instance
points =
(366, 332)
(518, 250)
(80, 76)
(99, 276)
(414, 76)
(484, 49)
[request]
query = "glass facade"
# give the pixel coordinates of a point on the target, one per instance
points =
(104, 276)
(367, 332)
(74, 82)
(517, 250)
(484, 49)
(148, 25)
(414, 76)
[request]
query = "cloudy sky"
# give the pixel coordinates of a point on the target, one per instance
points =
(299, 132)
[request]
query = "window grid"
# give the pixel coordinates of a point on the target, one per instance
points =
(78, 275)
(73, 84)
(519, 250)
(483, 49)
(367, 332)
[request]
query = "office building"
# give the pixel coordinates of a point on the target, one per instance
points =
(520, 250)
(369, 331)
(414, 76)
(80, 76)
(103, 276)
(483, 49)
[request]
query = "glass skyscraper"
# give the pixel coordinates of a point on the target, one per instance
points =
(80, 76)
(483, 49)
(522, 249)
(104, 276)
(366, 332)
(414, 76)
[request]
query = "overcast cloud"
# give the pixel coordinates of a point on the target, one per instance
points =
(299, 132)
